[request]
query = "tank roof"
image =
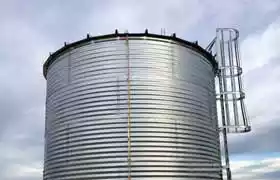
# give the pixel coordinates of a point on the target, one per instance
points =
(121, 36)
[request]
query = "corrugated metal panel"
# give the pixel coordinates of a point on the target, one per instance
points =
(174, 131)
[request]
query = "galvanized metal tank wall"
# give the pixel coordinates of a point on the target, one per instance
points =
(174, 131)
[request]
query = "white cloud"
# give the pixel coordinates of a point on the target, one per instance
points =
(261, 57)
(18, 171)
(254, 169)
(19, 162)
(22, 96)
(259, 48)
(175, 16)
(261, 60)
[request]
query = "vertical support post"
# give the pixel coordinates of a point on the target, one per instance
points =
(232, 80)
(223, 78)
(240, 86)
(224, 130)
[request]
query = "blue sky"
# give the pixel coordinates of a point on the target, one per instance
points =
(31, 29)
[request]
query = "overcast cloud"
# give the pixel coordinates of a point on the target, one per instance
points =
(30, 29)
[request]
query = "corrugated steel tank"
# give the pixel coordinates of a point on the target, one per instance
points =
(159, 90)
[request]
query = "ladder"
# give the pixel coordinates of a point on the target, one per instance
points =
(230, 93)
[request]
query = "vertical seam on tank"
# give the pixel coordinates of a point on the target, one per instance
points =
(129, 110)
(69, 67)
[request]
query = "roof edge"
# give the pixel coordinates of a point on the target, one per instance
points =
(193, 45)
